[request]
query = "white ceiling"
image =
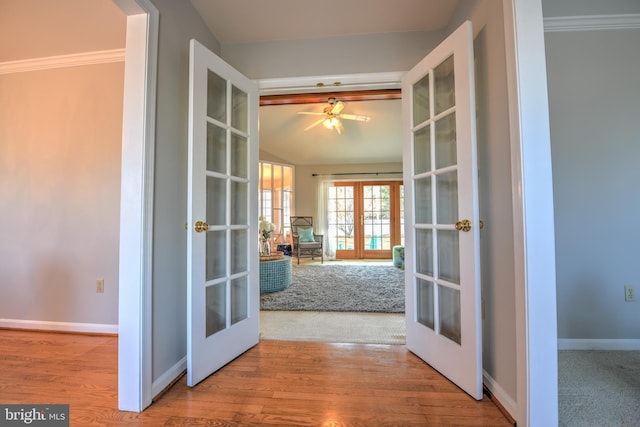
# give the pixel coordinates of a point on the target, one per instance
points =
(281, 129)
(302, 19)
(376, 141)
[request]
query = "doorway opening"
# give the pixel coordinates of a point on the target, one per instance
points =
(369, 210)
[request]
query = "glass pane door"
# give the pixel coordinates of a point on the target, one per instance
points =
(222, 281)
(442, 249)
(436, 205)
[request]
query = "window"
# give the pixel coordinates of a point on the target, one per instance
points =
(275, 195)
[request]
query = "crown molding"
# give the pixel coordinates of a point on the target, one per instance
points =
(591, 22)
(60, 61)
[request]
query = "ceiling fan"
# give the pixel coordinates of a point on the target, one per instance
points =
(332, 115)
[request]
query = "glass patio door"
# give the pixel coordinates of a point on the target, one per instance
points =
(365, 219)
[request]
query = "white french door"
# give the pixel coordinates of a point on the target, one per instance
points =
(441, 212)
(222, 265)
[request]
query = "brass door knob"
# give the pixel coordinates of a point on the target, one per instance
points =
(464, 225)
(201, 226)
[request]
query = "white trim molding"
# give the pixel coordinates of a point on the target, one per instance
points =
(135, 363)
(362, 81)
(61, 61)
(40, 325)
(598, 344)
(533, 220)
(166, 379)
(501, 396)
(591, 22)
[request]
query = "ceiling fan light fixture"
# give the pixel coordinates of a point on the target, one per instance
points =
(330, 122)
(332, 115)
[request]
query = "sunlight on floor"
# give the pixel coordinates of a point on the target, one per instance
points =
(338, 327)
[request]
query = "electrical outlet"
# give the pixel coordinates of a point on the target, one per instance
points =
(629, 293)
(100, 286)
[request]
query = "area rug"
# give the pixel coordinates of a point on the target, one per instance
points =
(347, 288)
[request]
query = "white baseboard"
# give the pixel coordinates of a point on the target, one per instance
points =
(93, 328)
(499, 394)
(168, 377)
(598, 344)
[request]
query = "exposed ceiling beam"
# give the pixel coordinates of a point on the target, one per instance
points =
(318, 98)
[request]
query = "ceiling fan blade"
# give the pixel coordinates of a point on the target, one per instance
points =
(338, 127)
(310, 113)
(355, 117)
(337, 108)
(316, 123)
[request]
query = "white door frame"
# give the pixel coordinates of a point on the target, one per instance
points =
(136, 206)
(537, 391)
(533, 225)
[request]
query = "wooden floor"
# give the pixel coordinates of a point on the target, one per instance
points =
(275, 383)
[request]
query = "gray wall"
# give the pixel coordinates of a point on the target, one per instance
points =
(594, 106)
(331, 55)
(495, 196)
(178, 24)
(60, 144)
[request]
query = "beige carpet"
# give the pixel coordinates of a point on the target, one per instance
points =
(368, 328)
(599, 388)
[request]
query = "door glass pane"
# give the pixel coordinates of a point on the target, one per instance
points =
(422, 150)
(447, 197)
(421, 101)
(424, 301)
(341, 217)
(216, 308)
(216, 254)
(444, 86)
(239, 156)
(449, 255)
(423, 201)
(216, 97)
(216, 206)
(377, 217)
(424, 252)
(239, 202)
(239, 251)
(446, 141)
(239, 110)
(239, 300)
(449, 309)
(216, 148)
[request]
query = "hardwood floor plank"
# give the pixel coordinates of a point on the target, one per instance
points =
(275, 383)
